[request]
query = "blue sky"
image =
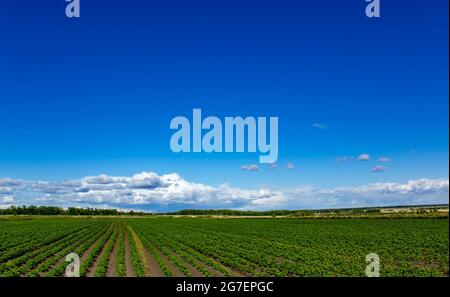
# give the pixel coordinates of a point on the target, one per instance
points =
(95, 95)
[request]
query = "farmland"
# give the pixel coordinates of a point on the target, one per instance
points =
(162, 246)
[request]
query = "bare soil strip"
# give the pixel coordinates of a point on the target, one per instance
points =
(155, 270)
(151, 268)
(214, 272)
(128, 266)
(89, 250)
(231, 271)
(112, 263)
(210, 269)
(91, 270)
(190, 268)
(169, 264)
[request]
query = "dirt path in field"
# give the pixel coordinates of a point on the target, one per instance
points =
(155, 270)
(151, 268)
(89, 250)
(128, 266)
(112, 262)
(91, 270)
(169, 264)
(215, 272)
(192, 270)
(211, 270)
(231, 271)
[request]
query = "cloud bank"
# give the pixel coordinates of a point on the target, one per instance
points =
(150, 191)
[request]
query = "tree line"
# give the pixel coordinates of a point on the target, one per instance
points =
(71, 211)
(74, 211)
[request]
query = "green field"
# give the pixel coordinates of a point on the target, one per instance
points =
(155, 246)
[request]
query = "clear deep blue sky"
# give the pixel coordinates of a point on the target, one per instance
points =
(96, 94)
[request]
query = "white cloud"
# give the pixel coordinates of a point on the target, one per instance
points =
(290, 165)
(273, 166)
(148, 190)
(6, 181)
(6, 201)
(363, 157)
(250, 167)
(8, 184)
(421, 191)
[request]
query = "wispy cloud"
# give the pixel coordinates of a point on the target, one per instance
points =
(250, 167)
(290, 165)
(363, 157)
(378, 168)
(148, 190)
(343, 159)
(384, 159)
(273, 166)
(320, 126)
